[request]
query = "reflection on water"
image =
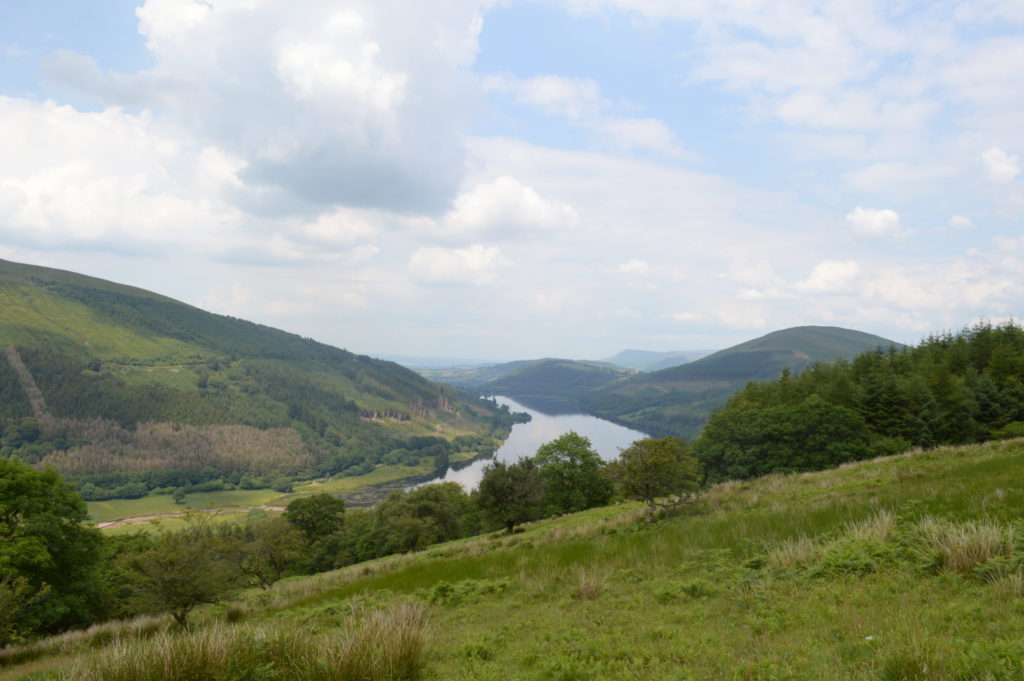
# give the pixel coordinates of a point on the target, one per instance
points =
(550, 418)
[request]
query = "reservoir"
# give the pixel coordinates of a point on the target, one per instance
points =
(549, 419)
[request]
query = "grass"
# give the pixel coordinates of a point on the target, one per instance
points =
(382, 645)
(154, 504)
(854, 573)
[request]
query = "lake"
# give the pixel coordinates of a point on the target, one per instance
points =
(548, 420)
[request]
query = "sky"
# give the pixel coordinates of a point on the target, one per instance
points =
(509, 180)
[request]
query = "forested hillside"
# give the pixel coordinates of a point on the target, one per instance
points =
(953, 388)
(679, 400)
(101, 379)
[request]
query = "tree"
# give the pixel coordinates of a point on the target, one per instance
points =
(182, 570)
(510, 494)
(48, 557)
(317, 516)
(571, 472)
(651, 469)
(813, 435)
(409, 521)
(265, 548)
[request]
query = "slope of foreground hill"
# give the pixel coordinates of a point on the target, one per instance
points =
(110, 383)
(906, 567)
(678, 400)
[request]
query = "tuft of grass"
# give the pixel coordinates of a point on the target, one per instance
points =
(381, 645)
(794, 553)
(877, 528)
(962, 547)
(590, 584)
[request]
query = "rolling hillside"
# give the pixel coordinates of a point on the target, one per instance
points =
(99, 378)
(678, 400)
(782, 577)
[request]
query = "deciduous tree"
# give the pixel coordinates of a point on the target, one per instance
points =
(571, 472)
(48, 556)
(510, 494)
(653, 470)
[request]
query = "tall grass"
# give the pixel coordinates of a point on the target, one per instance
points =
(961, 547)
(378, 646)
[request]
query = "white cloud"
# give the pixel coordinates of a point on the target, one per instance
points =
(477, 264)
(325, 103)
(875, 223)
(647, 134)
(574, 98)
(579, 100)
(109, 178)
(831, 276)
(634, 266)
(341, 226)
(503, 209)
(960, 222)
(1001, 166)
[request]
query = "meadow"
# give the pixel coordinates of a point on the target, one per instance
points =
(907, 567)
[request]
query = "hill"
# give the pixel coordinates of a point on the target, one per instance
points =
(650, 360)
(548, 377)
(564, 378)
(109, 383)
(782, 577)
(678, 400)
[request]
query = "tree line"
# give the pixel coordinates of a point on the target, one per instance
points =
(952, 388)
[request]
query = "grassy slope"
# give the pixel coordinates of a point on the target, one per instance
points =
(717, 592)
(156, 352)
(678, 400)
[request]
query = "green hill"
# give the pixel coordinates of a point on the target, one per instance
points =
(906, 567)
(109, 383)
(554, 378)
(678, 400)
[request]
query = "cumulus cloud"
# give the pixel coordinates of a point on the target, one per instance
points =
(831, 276)
(1001, 166)
(477, 264)
(503, 208)
(326, 103)
(109, 178)
(870, 222)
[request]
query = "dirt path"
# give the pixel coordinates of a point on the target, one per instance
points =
(140, 519)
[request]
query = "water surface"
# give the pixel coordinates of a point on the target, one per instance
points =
(549, 420)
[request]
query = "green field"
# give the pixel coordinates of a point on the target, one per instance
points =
(154, 504)
(908, 567)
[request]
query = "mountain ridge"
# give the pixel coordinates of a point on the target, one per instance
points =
(103, 352)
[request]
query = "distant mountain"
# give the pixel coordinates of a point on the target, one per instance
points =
(554, 378)
(678, 400)
(548, 377)
(416, 362)
(472, 375)
(650, 360)
(97, 377)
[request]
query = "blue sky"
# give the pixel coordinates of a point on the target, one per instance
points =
(518, 179)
